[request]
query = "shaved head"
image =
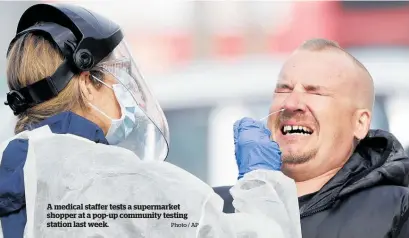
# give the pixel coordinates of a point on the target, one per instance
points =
(327, 96)
(362, 86)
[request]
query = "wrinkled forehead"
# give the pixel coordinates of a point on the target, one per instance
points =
(329, 69)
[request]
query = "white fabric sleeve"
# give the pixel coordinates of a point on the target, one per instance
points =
(271, 194)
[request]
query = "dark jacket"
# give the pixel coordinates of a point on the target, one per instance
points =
(367, 198)
(12, 199)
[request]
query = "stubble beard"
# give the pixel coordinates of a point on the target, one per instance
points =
(299, 158)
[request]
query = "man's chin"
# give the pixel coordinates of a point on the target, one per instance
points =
(294, 160)
(297, 158)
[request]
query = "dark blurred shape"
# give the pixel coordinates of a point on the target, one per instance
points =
(350, 23)
(373, 4)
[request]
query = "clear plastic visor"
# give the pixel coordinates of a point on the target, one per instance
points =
(149, 132)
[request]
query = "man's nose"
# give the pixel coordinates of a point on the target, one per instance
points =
(294, 102)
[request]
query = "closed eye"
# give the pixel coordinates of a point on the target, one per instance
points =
(309, 89)
(283, 88)
(316, 90)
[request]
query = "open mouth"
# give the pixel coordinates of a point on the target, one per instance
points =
(300, 130)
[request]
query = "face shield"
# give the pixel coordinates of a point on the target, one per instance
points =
(143, 128)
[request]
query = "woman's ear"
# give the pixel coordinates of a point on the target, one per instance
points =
(362, 124)
(86, 86)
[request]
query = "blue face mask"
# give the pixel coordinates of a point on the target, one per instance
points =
(122, 127)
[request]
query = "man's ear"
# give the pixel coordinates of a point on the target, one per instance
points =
(362, 123)
(86, 86)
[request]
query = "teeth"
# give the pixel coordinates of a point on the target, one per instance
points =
(299, 129)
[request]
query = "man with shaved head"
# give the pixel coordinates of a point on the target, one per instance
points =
(351, 181)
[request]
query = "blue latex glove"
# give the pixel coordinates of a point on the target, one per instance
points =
(253, 147)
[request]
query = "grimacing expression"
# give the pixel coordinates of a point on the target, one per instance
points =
(318, 118)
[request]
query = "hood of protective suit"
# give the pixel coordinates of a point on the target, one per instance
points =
(379, 159)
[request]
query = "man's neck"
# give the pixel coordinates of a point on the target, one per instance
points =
(315, 184)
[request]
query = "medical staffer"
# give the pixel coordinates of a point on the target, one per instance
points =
(71, 69)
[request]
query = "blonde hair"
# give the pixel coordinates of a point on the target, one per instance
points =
(32, 58)
(320, 44)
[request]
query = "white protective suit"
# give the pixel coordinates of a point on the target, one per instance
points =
(66, 169)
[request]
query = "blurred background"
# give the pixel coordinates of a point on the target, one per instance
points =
(212, 62)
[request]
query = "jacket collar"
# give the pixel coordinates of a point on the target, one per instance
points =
(71, 123)
(378, 159)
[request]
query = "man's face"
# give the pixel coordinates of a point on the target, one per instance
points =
(316, 129)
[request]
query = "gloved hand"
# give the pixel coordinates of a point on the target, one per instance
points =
(253, 147)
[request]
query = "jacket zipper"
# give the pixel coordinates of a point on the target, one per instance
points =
(317, 210)
(310, 213)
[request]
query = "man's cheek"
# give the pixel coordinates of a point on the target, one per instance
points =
(272, 125)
